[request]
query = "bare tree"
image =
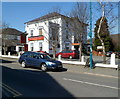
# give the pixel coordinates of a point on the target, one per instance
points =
(57, 31)
(80, 15)
(3, 35)
(54, 36)
(106, 11)
(54, 31)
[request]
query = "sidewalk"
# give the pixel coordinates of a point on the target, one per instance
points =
(77, 68)
(98, 71)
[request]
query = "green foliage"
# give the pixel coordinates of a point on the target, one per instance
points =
(104, 34)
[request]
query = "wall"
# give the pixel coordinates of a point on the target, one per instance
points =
(35, 26)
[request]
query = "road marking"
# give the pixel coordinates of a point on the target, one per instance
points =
(89, 83)
(14, 63)
(94, 74)
(100, 75)
(11, 90)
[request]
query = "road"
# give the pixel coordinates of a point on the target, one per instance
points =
(32, 82)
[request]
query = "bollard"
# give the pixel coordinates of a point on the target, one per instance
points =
(59, 57)
(0, 50)
(83, 59)
(8, 53)
(19, 53)
(112, 61)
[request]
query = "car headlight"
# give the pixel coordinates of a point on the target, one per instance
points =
(50, 63)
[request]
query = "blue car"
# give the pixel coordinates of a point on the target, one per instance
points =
(40, 60)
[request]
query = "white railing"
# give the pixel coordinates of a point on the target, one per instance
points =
(83, 62)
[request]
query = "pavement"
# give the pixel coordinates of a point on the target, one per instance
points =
(97, 71)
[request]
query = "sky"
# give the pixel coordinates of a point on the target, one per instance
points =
(15, 14)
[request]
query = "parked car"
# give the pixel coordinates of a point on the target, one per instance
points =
(41, 60)
(109, 53)
(68, 54)
(43, 52)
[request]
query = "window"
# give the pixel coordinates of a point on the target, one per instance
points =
(35, 56)
(18, 37)
(69, 51)
(31, 46)
(31, 32)
(40, 32)
(20, 48)
(0, 35)
(67, 24)
(54, 35)
(67, 45)
(67, 34)
(63, 51)
(25, 54)
(58, 45)
(30, 55)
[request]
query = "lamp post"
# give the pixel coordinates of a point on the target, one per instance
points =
(90, 35)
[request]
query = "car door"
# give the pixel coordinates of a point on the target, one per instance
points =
(69, 53)
(29, 59)
(35, 60)
(64, 54)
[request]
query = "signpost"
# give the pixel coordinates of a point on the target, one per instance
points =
(90, 35)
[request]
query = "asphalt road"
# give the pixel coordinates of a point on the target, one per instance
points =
(31, 82)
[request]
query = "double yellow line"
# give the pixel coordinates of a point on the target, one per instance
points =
(9, 90)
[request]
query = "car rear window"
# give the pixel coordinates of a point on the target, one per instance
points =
(25, 54)
(44, 56)
(69, 51)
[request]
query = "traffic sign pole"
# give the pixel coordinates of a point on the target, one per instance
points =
(90, 34)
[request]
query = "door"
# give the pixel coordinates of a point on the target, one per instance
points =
(64, 54)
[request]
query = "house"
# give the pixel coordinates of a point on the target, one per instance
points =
(11, 41)
(50, 32)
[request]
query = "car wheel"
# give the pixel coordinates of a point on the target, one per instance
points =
(70, 57)
(43, 67)
(23, 64)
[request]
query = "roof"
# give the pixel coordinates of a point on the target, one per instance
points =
(12, 42)
(50, 15)
(11, 31)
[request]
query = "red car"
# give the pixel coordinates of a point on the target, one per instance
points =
(68, 54)
(43, 52)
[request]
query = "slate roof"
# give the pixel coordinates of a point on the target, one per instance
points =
(50, 15)
(11, 31)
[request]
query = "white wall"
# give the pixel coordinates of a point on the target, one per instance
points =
(35, 27)
(45, 26)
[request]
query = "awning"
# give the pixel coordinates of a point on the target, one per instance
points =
(34, 38)
(75, 44)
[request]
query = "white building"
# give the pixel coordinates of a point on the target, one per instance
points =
(48, 30)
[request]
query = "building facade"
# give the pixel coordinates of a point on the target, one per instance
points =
(49, 32)
(11, 41)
